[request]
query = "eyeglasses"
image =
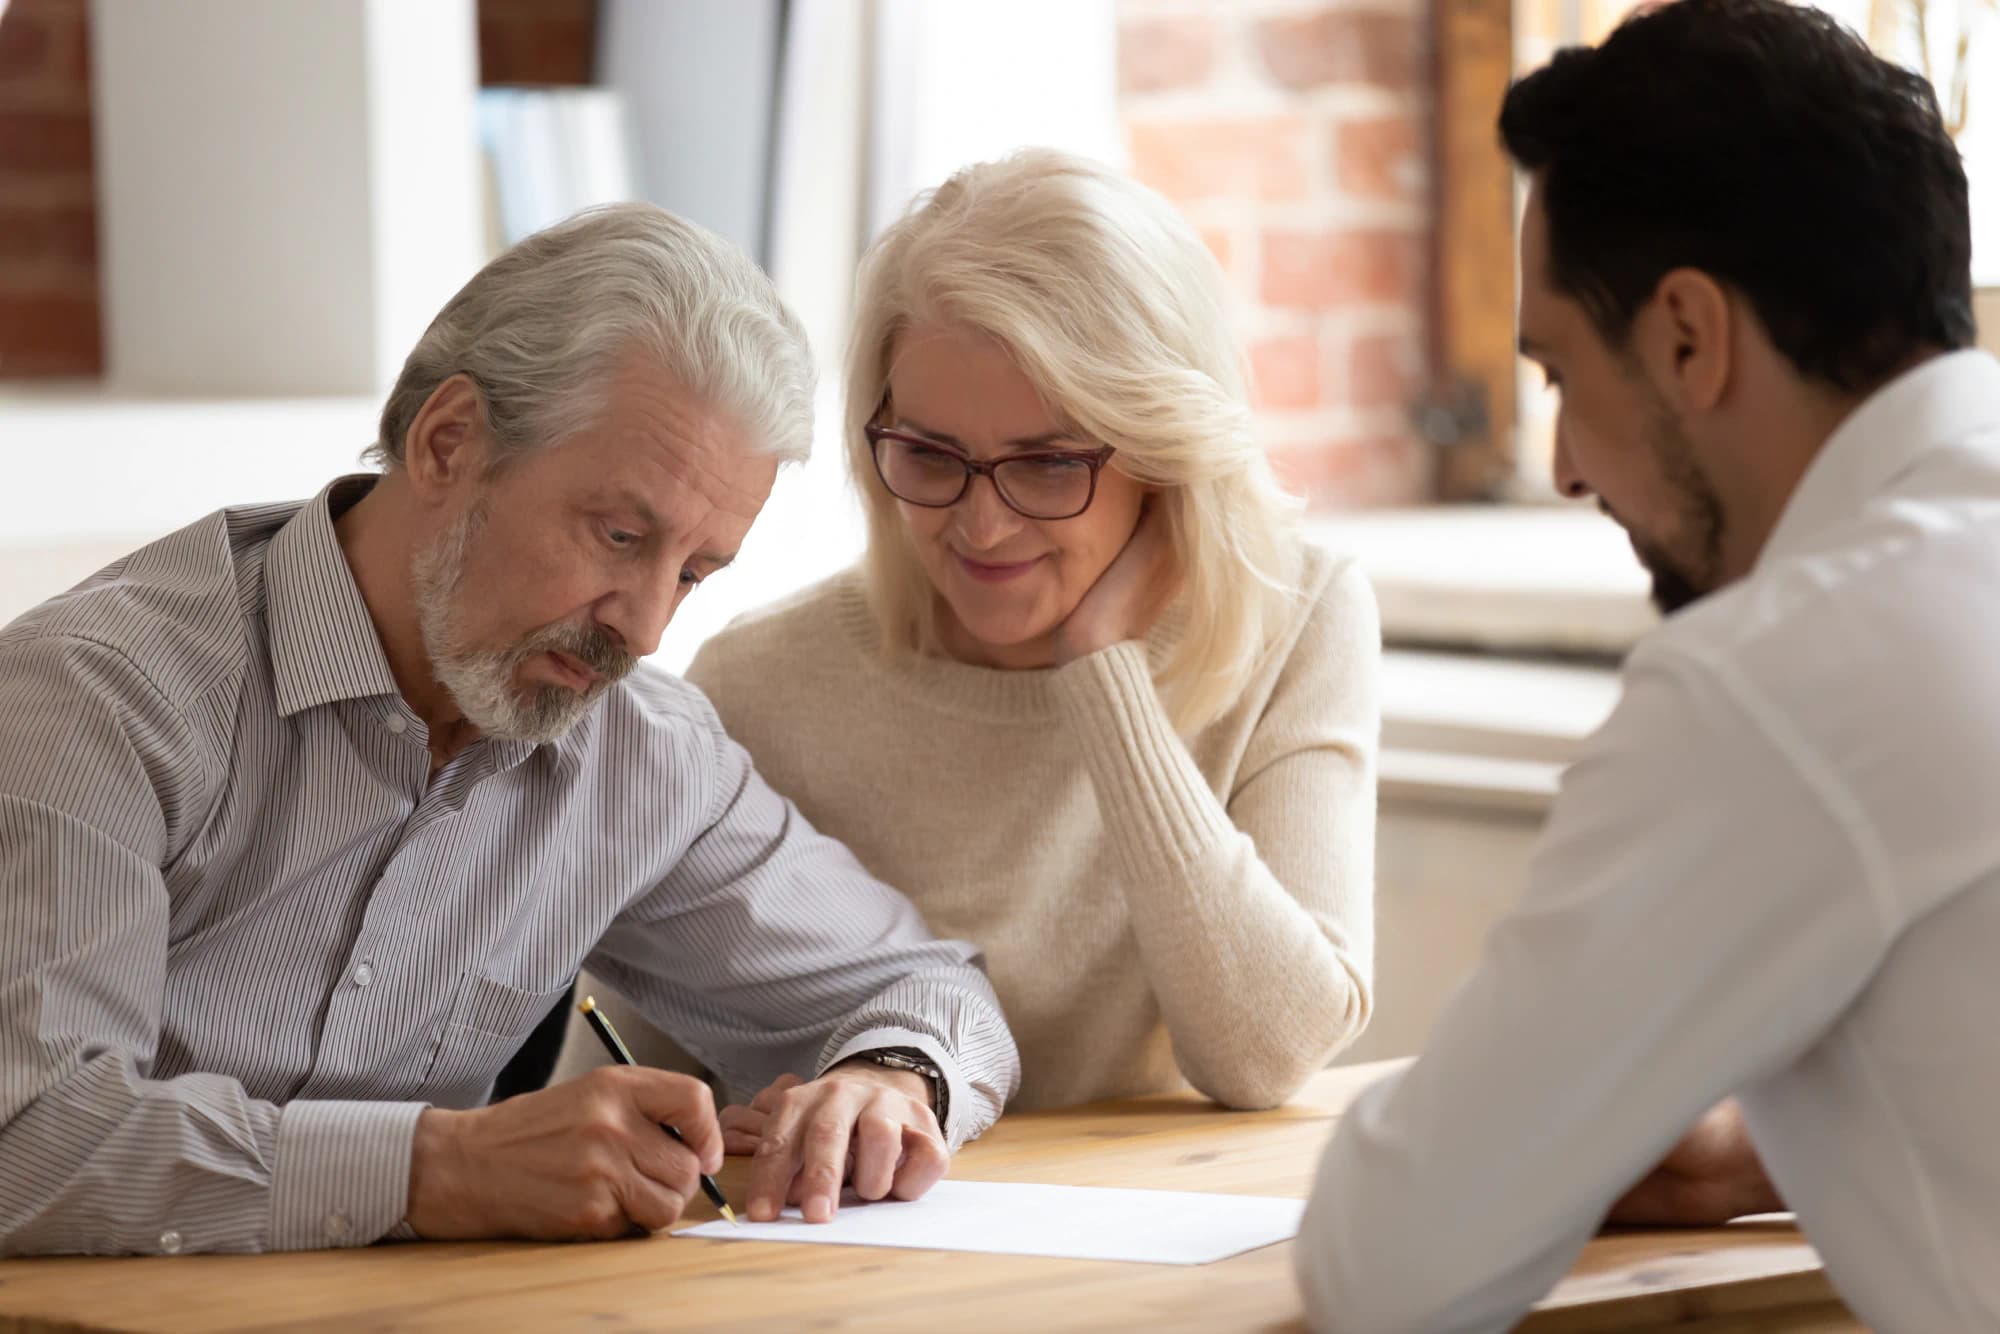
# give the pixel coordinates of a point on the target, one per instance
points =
(1048, 484)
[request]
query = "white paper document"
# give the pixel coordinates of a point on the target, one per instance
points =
(1162, 1227)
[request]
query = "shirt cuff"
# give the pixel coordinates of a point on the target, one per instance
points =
(343, 1173)
(958, 1090)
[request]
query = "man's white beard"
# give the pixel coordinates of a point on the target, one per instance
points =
(482, 681)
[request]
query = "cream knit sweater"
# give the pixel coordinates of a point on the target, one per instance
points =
(1154, 911)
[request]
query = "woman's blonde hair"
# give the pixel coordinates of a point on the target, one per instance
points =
(1116, 311)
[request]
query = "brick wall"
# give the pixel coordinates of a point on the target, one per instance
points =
(49, 323)
(1293, 135)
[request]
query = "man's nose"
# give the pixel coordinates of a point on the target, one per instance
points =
(637, 616)
(1568, 480)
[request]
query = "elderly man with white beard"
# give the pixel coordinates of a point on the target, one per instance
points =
(309, 814)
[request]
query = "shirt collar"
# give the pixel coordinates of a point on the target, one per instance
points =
(1937, 404)
(324, 646)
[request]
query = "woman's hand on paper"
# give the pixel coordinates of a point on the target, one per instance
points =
(743, 1127)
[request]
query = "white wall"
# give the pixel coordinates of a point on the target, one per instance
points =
(286, 192)
(959, 83)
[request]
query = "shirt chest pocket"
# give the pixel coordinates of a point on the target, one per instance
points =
(488, 1023)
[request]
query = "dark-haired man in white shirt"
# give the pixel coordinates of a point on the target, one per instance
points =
(1775, 873)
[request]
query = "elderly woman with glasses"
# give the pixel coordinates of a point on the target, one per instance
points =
(1088, 699)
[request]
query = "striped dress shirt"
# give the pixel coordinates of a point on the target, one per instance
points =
(248, 936)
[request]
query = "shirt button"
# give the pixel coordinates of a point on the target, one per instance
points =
(398, 724)
(338, 1228)
(363, 974)
(170, 1242)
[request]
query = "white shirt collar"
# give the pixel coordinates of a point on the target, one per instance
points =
(1941, 402)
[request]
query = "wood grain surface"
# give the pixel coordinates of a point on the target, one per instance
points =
(1750, 1277)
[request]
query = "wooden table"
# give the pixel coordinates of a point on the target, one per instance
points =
(1735, 1279)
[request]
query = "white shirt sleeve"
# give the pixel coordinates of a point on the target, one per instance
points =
(1699, 910)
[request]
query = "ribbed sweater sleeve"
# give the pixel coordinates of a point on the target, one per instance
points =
(1252, 908)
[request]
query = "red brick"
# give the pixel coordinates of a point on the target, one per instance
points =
(26, 44)
(77, 35)
(1173, 51)
(39, 141)
(537, 41)
(48, 189)
(1314, 471)
(1326, 269)
(1356, 473)
(1222, 159)
(1384, 370)
(1343, 46)
(1386, 158)
(570, 11)
(1286, 372)
(64, 235)
(44, 55)
(44, 335)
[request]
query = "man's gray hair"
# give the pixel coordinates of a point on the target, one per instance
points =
(541, 328)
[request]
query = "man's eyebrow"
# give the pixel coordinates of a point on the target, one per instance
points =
(1025, 442)
(627, 498)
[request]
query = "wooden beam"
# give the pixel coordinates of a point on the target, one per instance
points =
(1471, 416)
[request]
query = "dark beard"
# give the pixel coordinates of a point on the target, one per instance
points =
(1677, 583)
(1672, 590)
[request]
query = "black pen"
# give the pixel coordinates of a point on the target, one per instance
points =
(609, 1037)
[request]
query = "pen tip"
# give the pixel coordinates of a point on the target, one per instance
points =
(730, 1214)
(588, 1004)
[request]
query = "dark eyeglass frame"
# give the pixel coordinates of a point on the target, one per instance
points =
(1095, 459)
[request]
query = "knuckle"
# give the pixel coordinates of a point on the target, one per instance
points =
(599, 1215)
(601, 1125)
(825, 1132)
(605, 1080)
(776, 1144)
(599, 1165)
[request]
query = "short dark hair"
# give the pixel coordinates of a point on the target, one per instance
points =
(1765, 145)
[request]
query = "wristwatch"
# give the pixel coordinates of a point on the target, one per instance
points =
(917, 1063)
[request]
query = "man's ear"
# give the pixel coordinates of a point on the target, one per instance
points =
(447, 442)
(1684, 337)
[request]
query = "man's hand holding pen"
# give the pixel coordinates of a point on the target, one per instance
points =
(584, 1159)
